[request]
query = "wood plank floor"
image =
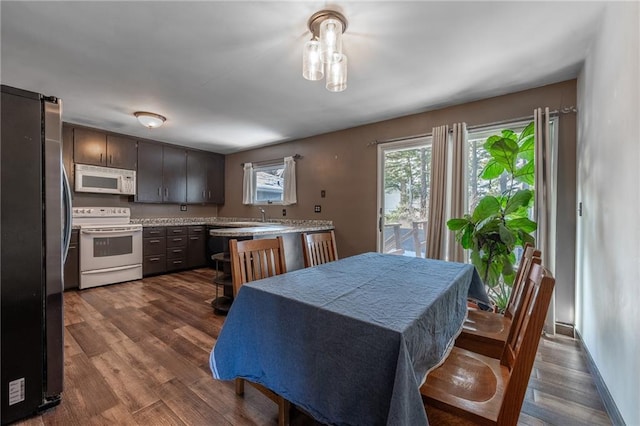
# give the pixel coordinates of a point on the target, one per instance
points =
(137, 354)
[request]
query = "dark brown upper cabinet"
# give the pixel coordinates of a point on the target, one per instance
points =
(205, 178)
(215, 179)
(98, 148)
(162, 174)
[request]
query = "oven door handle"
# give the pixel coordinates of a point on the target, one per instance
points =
(110, 231)
(117, 268)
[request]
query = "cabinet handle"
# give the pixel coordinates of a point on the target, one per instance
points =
(101, 157)
(154, 259)
(194, 238)
(110, 159)
(177, 251)
(177, 239)
(154, 232)
(209, 194)
(166, 192)
(154, 241)
(177, 262)
(203, 195)
(159, 193)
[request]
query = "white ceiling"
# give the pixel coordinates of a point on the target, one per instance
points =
(228, 75)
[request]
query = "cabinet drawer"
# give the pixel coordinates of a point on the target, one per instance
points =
(179, 241)
(176, 264)
(176, 252)
(197, 230)
(154, 246)
(153, 231)
(176, 230)
(176, 241)
(154, 265)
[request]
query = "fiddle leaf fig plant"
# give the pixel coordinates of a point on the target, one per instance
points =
(500, 221)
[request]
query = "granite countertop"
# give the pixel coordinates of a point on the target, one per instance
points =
(241, 227)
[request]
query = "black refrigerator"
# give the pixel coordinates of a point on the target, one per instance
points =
(35, 227)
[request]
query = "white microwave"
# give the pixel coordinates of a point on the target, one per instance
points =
(105, 180)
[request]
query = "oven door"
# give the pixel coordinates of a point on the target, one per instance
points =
(110, 246)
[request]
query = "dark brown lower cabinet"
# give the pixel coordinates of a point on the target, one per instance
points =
(197, 247)
(176, 248)
(173, 248)
(72, 264)
(154, 248)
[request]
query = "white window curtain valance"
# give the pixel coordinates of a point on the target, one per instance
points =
(247, 184)
(437, 193)
(289, 197)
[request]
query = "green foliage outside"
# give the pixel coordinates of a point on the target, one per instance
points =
(500, 221)
(407, 172)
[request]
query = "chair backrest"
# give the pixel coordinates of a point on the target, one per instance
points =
(319, 248)
(255, 259)
(522, 273)
(522, 343)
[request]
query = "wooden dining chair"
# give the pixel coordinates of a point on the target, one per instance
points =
(253, 260)
(486, 332)
(319, 248)
(470, 388)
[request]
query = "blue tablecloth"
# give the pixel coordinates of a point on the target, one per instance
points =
(350, 341)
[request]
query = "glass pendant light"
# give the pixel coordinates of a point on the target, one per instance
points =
(330, 39)
(337, 73)
(312, 66)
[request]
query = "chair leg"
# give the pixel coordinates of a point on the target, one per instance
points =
(284, 407)
(239, 386)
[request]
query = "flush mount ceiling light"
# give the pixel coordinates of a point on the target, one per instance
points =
(149, 119)
(322, 55)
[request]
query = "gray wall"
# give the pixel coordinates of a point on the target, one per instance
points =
(344, 164)
(608, 234)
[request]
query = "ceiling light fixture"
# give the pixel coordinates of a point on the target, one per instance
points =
(323, 53)
(149, 119)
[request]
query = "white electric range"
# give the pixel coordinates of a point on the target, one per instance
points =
(110, 246)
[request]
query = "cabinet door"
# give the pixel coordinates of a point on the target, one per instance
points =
(67, 154)
(89, 147)
(196, 177)
(121, 152)
(149, 177)
(72, 264)
(174, 175)
(196, 247)
(215, 179)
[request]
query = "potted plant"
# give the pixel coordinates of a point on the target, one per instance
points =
(500, 221)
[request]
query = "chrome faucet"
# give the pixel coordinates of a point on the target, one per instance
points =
(262, 212)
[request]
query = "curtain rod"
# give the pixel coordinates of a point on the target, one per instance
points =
(275, 161)
(564, 110)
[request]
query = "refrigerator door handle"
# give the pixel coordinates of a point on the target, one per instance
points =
(66, 205)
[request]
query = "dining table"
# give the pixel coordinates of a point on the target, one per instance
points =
(349, 342)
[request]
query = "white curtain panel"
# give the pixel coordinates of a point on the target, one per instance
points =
(289, 196)
(247, 184)
(545, 203)
(455, 253)
(438, 190)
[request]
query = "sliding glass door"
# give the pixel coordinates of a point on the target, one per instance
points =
(404, 170)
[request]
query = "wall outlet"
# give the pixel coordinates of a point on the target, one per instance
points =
(183, 207)
(317, 208)
(323, 193)
(284, 212)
